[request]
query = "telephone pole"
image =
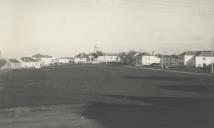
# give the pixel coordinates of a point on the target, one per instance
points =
(212, 68)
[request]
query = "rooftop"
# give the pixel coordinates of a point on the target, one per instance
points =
(41, 56)
(28, 59)
(143, 54)
(14, 61)
(205, 53)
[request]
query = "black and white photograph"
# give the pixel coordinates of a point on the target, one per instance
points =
(106, 63)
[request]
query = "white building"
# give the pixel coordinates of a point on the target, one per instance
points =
(29, 62)
(78, 60)
(14, 64)
(189, 58)
(204, 59)
(45, 60)
(81, 58)
(64, 60)
(144, 59)
(108, 58)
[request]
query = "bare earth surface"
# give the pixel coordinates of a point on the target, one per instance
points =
(105, 96)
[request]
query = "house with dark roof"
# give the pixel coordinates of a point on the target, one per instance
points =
(81, 58)
(197, 58)
(204, 59)
(45, 60)
(171, 61)
(14, 64)
(188, 58)
(144, 59)
(29, 62)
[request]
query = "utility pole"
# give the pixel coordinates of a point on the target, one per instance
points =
(212, 68)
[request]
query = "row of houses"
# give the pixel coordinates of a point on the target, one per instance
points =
(188, 59)
(39, 60)
(106, 58)
(35, 61)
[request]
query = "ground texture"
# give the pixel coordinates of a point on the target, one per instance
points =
(105, 96)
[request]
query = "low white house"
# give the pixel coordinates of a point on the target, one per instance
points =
(204, 59)
(65, 60)
(144, 59)
(81, 59)
(78, 60)
(189, 58)
(29, 63)
(44, 60)
(14, 64)
(108, 58)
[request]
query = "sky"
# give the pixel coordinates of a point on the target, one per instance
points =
(68, 27)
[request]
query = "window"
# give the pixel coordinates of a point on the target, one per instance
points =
(204, 58)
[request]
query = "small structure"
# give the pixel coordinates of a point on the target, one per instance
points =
(81, 59)
(188, 58)
(45, 60)
(145, 59)
(204, 59)
(171, 61)
(65, 60)
(29, 62)
(14, 64)
(108, 58)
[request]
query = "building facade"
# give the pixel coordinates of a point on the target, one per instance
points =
(146, 59)
(204, 59)
(111, 58)
(45, 60)
(30, 63)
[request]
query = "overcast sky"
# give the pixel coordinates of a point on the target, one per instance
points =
(67, 27)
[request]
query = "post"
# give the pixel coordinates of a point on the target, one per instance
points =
(212, 61)
(162, 62)
(212, 58)
(136, 60)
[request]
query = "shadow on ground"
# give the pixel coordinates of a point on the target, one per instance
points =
(165, 112)
(209, 89)
(161, 78)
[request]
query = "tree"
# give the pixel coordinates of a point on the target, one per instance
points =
(98, 53)
(123, 57)
(130, 58)
(82, 55)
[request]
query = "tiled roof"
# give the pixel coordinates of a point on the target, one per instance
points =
(170, 56)
(28, 59)
(14, 61)
(41, 56)
(189, 53)
(205, 53)
(142, 54)
(111, 54)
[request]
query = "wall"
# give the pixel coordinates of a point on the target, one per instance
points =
(189, 60)
(148, 60)
(203, 61)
